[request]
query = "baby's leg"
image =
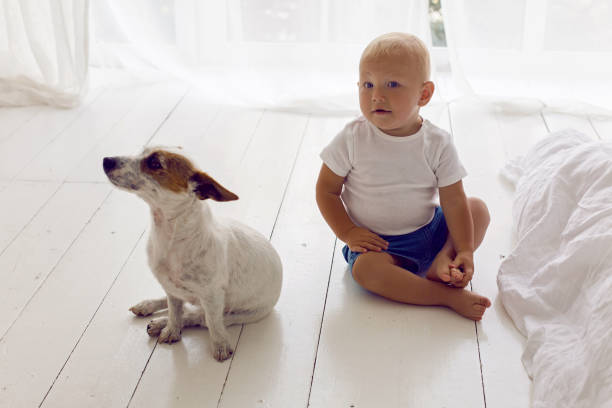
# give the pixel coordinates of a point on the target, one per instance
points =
(439, 270)
(379, 272)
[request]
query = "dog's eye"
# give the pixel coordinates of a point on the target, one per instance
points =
(153, 162)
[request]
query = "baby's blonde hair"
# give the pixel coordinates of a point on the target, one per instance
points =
(399, 45)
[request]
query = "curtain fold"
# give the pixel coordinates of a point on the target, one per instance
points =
(43, 52)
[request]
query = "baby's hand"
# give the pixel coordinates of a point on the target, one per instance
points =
(462, 269)
(361, 240)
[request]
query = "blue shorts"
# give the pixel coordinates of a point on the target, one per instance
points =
(418, 248)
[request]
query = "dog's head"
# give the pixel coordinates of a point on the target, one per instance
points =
(158, 175)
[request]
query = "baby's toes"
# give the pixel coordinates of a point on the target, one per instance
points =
(480, 308)
(484, 302)
(478, 312)
(155, 326)
(456, 275)
(170, 335)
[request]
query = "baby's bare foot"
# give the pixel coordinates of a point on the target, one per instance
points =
(469, 304)
(443, 270)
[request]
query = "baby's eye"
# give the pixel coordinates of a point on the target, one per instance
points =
(368, 85)
(392, 84)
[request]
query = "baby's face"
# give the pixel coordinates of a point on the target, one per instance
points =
(390, 90)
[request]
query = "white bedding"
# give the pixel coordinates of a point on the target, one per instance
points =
(556, 285)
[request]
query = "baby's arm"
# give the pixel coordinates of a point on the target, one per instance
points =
(460, 226)
(329, 187)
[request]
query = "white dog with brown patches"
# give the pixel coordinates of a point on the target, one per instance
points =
(230, 272)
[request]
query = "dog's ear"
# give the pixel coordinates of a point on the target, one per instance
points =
(205, 187)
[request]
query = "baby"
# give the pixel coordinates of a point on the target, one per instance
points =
(378, 183)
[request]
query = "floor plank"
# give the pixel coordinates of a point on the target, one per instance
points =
(377, 353)
(104, 368)
(519, 132)
(507, 136)
(20, 203)
(36, 347)
(58, 157)
(132, 133)
(31, 138)
(276, 356)
(28, 261)
(560, 121)
(603, 127)
(187, 124)
(11, 119)
(224, 144)
(261, 178)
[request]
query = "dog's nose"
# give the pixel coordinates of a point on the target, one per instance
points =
(109, 163)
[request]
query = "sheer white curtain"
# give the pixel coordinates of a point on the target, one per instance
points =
(43, 52)
(557, 51)
(289, 54)
(303, 54)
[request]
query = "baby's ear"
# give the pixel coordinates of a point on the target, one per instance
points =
(426, 93)
(205, 187)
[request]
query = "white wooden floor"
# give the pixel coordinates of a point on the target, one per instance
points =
(72, 261)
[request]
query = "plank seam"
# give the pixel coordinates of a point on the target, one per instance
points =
(58, 261)
(248, 145)
(229, 368)
(314, 365)
(594, 127)
(93, 315)
(69, 124)
(545, 122)
(280, 207)
(450, 120)
(145, 95)
(142, 372)
(21, 124)
(484, 394)
(60, 185)
(295, 160)
(163, 122)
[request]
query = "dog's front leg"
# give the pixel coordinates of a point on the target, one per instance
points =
(172, 332)
(148, 307)
(213, 305)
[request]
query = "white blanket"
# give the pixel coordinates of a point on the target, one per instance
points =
(557, 283)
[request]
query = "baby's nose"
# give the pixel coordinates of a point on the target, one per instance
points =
(377, 97)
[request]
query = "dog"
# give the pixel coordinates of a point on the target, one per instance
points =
(229, 271)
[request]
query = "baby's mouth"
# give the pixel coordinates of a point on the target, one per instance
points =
(380, 111)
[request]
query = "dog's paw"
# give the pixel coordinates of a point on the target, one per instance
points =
(155, 327)
(222, 351)
(170, 335)
(144, 308)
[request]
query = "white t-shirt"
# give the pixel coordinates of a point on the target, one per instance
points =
(391, 183)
